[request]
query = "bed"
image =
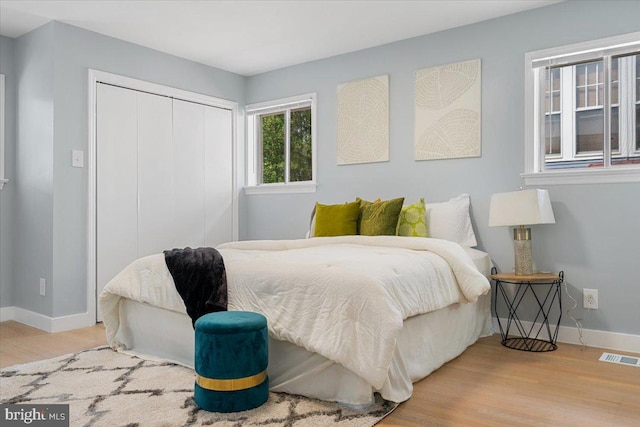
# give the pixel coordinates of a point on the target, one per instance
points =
(348, 316)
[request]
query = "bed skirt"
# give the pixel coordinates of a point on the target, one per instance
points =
(426, 342)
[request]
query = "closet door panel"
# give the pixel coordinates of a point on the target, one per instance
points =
(155, 175)
(218, 176)
(188, 183)
(116, 175)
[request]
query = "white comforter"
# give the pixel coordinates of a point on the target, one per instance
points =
(342, 297)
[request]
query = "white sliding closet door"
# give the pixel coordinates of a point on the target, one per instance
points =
(116, 180)
(218, 175)
(164, 177)
(202, 153)
(188, 183)
(156, 215)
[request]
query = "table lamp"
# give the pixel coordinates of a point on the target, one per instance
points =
(520, 208)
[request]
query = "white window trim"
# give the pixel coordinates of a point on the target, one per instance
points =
(281, 188)
(533, 173)
(252, 166)
(3, 179)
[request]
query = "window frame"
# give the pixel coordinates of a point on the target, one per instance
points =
(534, 148)
(253, 158)
(637, 103)
(552, 111)
(3, 129)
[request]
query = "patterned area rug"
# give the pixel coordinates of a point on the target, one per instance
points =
(106, 388)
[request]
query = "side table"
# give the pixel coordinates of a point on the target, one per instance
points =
(514, 333)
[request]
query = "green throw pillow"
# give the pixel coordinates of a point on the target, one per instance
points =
(412, 220)
(336, 220)
(379, 219)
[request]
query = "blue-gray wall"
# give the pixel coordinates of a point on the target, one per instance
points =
(51, 197)
(33, 209)
(596, 239)
(7, 62)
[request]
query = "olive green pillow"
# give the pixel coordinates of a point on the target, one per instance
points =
(379, 219)
(336, 220)
(412, 220)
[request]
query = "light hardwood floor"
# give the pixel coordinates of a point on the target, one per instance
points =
(22, 344)
(488, 385)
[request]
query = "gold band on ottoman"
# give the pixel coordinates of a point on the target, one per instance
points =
(231, 385)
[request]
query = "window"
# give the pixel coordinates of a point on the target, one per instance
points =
(3, 180)
(281, 155)
(582, 111)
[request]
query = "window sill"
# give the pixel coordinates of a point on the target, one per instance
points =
(588, 176)
(305, 187)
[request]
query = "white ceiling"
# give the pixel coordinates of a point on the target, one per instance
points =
(251, 37)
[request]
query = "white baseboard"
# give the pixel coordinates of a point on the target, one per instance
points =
(46, 323)
(590, 337)
(7, 313)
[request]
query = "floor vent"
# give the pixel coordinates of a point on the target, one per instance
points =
(620, 359)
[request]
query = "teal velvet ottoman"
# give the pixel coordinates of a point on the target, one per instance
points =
(231, 359)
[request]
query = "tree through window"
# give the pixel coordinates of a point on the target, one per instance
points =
(282, 137)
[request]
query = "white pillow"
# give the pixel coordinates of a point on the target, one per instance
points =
(451, 221)
(312, 224)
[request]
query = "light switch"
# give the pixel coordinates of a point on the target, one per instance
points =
(77, 158)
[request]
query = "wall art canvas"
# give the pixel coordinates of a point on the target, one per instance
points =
(363, 121)
(448, 111)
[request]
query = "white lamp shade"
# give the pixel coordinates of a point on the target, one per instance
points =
(524, 207)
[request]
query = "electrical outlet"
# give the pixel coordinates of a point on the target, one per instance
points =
(590, 298)
(43, 286)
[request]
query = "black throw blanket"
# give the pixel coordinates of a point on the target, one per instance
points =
(200, 279)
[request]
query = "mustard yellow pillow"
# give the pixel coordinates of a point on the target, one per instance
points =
(412, 220)
(379, 219)
(337, 220)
